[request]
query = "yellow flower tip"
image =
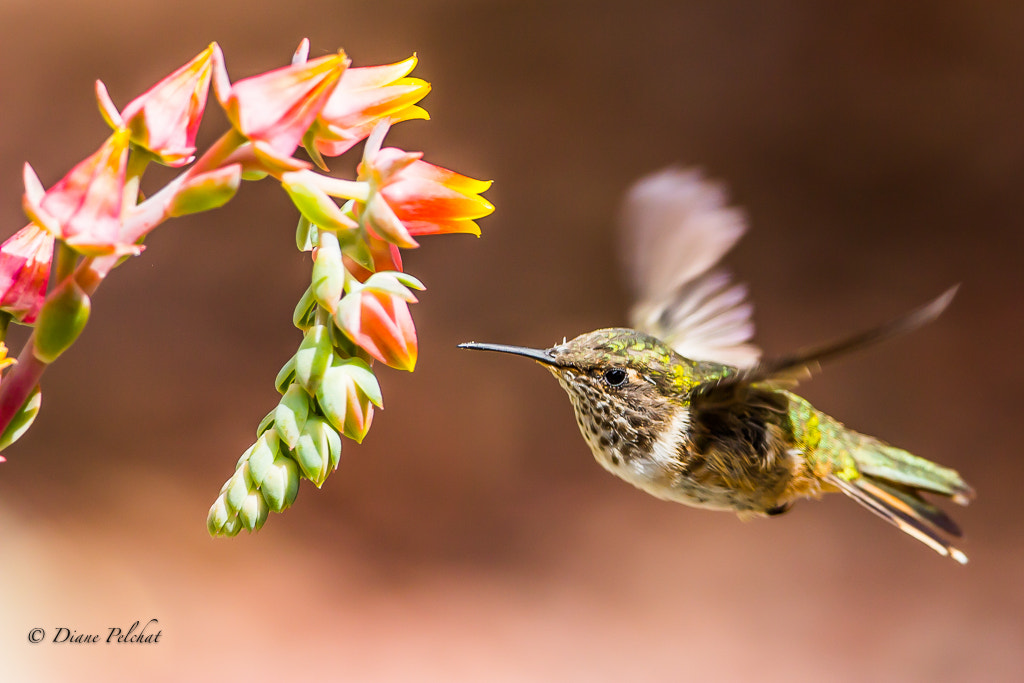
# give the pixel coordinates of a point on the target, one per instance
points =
(204, 57)
(415, 89)
(485, 206)
(402, 361)
(418, 84)
(408, 64)
(481, 186)
(409, 113)
(4, 360)
(471, 187)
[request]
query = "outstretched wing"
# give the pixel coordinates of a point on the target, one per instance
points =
(733, 387)
(676, 227)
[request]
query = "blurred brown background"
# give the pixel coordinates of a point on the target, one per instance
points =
(879, 152)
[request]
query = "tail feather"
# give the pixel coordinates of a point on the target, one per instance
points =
(908, 471)
(907, 511)
(912, 499)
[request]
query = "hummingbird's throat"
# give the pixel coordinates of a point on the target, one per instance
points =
(617, 430)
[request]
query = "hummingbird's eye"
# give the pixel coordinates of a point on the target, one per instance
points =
(615, 377)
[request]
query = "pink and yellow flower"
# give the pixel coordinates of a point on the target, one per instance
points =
(165, 119)
(84, 207)
(25, 260)
(365, 96)
(275, 109)
(409, 196)
(376, 317)
(386, 330)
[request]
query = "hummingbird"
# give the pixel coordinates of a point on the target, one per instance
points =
(682, 406)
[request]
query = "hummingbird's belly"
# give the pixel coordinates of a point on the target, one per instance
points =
(655, 465)
(652, 478)
(659, 466)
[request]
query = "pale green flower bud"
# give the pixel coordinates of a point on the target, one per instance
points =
(206, 191)
(265, 424)
(347, 395)
(253, 512)
(305, 234)
(313, 357)
(218, 517)
(334, 446)
(304, 315)
(238, 488)
(290, 414)
(285, 376)
(241, 461)
(22, 420)
(313, 203)
(280, 483)
(60, 321)
(232, 526)
(395, 283)
(262, 455)
(313, 450)
(328, 271)
(312, 464)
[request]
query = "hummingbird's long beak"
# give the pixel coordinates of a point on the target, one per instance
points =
(540, 355)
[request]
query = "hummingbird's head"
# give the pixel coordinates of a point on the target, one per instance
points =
(624, 385)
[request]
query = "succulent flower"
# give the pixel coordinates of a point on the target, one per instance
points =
(25, 260)
(275, 109)
(84, 207)
(365, 96)
(164, 120)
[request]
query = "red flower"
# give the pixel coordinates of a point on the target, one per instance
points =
(24, 272)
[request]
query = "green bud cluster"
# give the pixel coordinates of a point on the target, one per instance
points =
(328, 390)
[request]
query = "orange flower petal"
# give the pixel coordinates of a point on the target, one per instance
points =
(448, 178)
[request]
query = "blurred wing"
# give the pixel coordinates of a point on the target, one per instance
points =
(734, 387)
(676, 227)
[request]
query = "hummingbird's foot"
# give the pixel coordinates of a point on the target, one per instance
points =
(778, 510)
